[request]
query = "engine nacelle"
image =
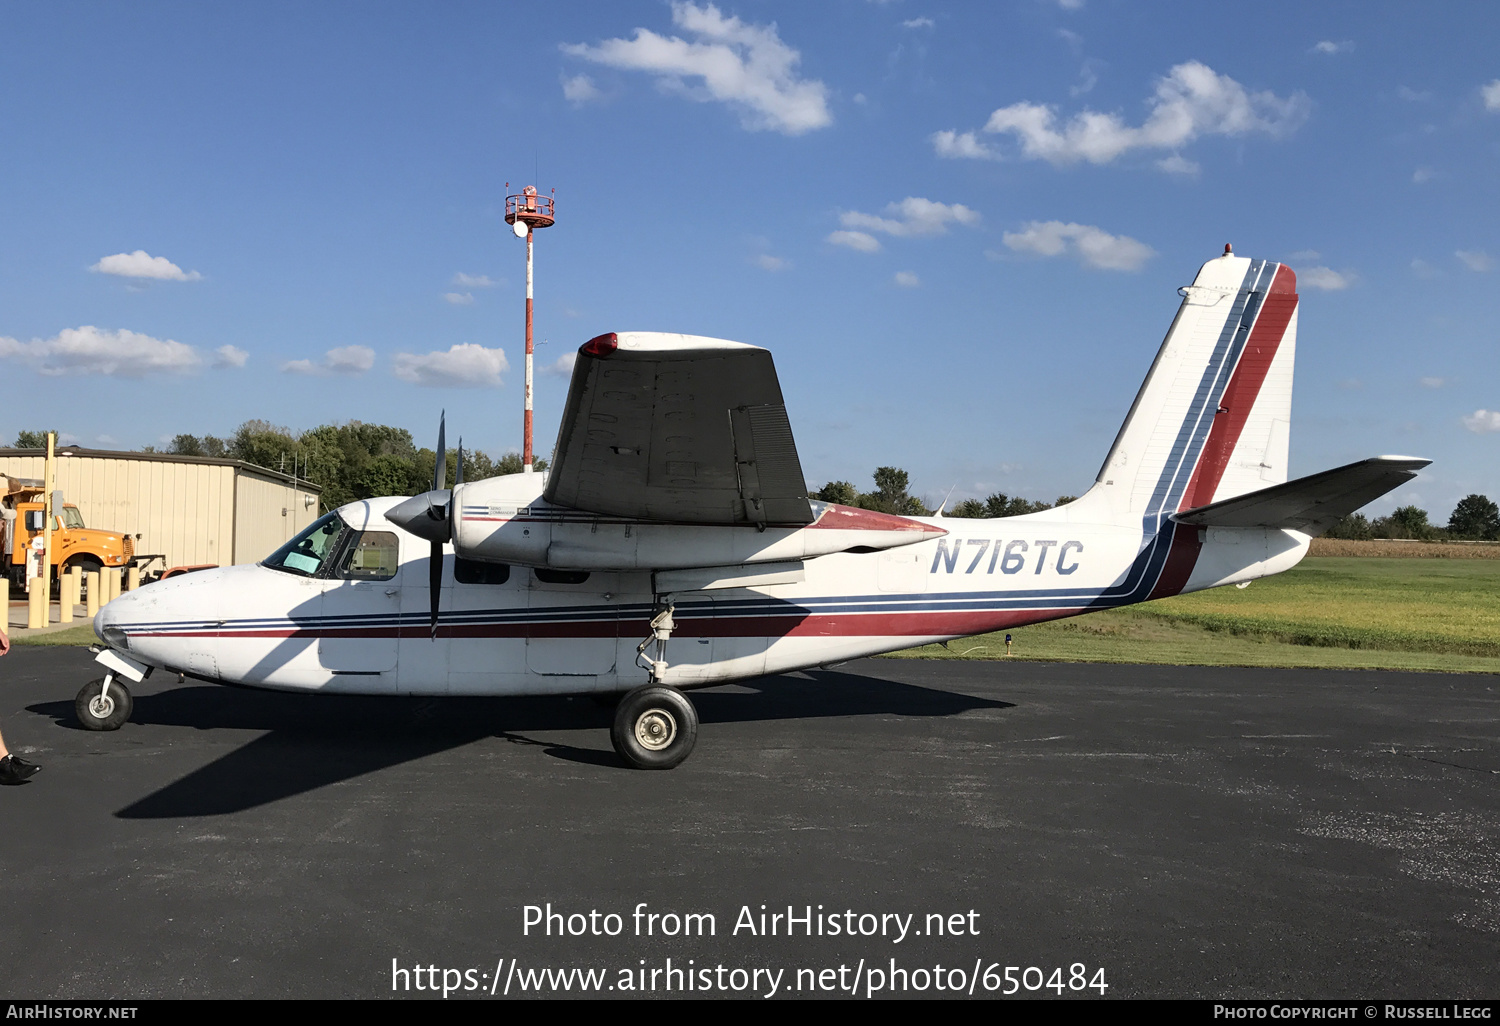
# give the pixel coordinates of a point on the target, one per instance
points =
(505, 520)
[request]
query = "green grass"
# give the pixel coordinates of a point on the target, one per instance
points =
(83, 634)
(1417, 614)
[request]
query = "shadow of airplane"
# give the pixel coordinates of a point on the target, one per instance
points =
(313, 741)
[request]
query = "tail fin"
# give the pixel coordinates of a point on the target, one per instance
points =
(1213, 418)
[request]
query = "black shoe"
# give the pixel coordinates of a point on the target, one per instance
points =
(15, 770)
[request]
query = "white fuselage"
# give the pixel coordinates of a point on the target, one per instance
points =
(263, 627)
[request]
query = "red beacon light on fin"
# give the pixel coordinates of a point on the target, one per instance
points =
(1228, 249)
(602, 345)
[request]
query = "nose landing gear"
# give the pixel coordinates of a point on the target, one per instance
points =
(103, 704)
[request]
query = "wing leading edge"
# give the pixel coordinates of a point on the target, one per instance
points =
(678, 428)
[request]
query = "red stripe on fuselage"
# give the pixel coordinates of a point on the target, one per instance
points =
(1243, 389)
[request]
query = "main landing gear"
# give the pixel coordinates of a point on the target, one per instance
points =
(655, 726)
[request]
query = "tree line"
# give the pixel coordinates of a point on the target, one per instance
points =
(348, 461)
(891, 495)
(360, 461)
(1475, 518)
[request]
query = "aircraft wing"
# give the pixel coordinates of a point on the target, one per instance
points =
(1309, 504)
(678, 428)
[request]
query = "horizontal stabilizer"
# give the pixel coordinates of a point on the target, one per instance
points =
(1309, 504)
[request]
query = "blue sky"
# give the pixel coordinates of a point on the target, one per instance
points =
(959, 227)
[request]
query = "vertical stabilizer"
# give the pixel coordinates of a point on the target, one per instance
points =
(1213, 418)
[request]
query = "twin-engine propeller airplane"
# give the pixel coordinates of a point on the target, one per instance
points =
(673, 545)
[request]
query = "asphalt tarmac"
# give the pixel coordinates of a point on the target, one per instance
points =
(1191, 832)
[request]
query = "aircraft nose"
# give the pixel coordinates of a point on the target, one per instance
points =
(113, 613)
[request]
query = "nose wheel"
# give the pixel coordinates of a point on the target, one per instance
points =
(103, 704)
(655, 727)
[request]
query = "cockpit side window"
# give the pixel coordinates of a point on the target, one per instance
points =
(306, 554)
(372, 556)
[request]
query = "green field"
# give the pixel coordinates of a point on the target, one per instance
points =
(1415, 614)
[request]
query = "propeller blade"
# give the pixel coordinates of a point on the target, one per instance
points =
(440, 467)
(459, 476)
(435, 583)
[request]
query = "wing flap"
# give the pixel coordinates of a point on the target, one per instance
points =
(1309, 504)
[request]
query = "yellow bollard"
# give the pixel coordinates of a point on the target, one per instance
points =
(114, 583)
(65, 598)
(133, 578)
(36, 608)
(92, 603)
(5, 602)
(76, 591)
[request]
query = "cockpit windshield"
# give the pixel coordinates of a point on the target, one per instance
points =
(71, 517)
(305, 554)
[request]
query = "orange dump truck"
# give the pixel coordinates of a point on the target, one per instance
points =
(22, 519)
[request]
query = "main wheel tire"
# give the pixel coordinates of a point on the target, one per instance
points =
(97, 710)
(655, 727)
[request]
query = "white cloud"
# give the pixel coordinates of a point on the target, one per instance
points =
(1433, 382)
(474, 281)
(1483, 421)
(1192, 100)
(579, 89)
(1070, 5)
(1475, 259)
(1304, 254)
(1422, 269)
(1491, 95)
(141, 264)
(767, 262)
(1411, 95)
(108, 439)
(1328, 46)
(861, 241)
(459, 298)
(961, 146)
(1177, 164)
(463, 366)
(230, 356)
(1091, 246)
(918, 23)
(1423, 175)
(343, 360)
(744, 65)
(1326, 279)
(562, 367)
(91, 350)
(913, 216)
(907, 280)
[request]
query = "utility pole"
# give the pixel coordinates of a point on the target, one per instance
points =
(525, 212)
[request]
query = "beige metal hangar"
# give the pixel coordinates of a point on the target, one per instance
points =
(194, 510)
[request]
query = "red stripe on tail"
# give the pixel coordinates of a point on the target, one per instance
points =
(1243, 388)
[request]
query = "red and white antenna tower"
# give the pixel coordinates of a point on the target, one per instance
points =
(525, 212)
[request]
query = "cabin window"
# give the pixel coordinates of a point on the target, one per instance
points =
(374, 556)
(473, 571)
(71, 517)
(547, 576)
(305, 554)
